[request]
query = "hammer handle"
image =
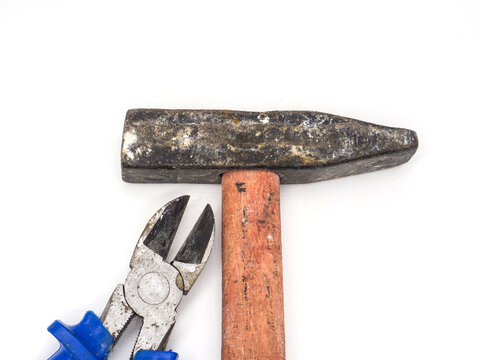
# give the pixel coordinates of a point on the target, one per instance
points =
(253, 322)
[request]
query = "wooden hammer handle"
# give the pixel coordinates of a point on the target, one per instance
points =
(253, 322)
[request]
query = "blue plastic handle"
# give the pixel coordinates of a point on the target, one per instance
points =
(89, 340)
(155, 355)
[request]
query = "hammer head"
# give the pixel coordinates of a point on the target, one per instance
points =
(197, 146)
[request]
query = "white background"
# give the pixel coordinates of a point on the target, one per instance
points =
(378, 266)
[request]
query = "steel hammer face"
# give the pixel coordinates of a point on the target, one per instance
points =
(251, 153)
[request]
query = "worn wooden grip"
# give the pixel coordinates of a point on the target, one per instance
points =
(253, 322)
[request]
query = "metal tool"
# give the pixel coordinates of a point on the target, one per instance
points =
(153, 289)
(251, 153)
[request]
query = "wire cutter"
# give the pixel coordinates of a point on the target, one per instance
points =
(153, 289)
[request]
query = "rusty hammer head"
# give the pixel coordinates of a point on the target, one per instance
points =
(197, 146)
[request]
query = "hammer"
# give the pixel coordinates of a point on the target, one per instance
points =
(250, 154)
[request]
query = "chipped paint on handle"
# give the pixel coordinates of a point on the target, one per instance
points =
(253, 320)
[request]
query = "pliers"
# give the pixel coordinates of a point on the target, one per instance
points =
(152, 290)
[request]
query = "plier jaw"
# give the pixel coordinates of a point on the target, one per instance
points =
(154, 288)
(195, 252)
